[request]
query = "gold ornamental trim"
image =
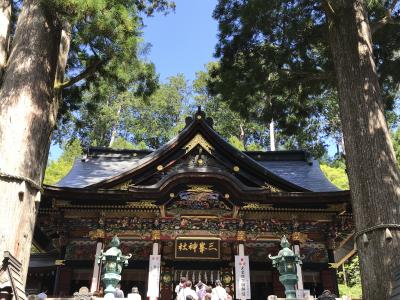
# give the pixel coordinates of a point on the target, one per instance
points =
(241, 236)
(123, 186)
(198, 140)
(156, 235)
(271, 188)
(257, 206)
(200, 188)
(97, 234)
(142, 204)
(299, 237)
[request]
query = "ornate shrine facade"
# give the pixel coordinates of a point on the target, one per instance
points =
(193, 201)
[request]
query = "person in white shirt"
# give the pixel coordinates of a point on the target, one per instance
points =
(180, 286)
(135, 294)
(187, 291)
(218, 293)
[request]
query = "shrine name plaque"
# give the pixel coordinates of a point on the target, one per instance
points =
(197, 248)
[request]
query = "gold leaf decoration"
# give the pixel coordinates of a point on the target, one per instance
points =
(271, 188)
(200, 188)
(198, 140)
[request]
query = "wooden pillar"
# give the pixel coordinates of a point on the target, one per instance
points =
(99, 236)
(63, 241)
(298, 238)
(328, 276)
(241, 249)
(64, 281)
(94, 286)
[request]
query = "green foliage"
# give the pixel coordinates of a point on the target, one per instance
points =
(252, 129)
(337, 175)
(106, 48)
(355, 292)
(58, 169)
(105, 112)
(242, 133)
(396, 143)
(161, 118)
(275, 56)
(352, 285)
(121, 143)
(235, 142)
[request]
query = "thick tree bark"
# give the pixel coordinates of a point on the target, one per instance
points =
(5, 26)
(27, 117)
(371, 163)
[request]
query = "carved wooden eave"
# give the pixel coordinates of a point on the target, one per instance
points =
(334, 201)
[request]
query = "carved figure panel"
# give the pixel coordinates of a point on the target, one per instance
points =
(198, 201)
(80, 250)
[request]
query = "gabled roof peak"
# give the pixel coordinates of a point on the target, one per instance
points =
(199, 116)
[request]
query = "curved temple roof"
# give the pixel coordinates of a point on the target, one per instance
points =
(294, 168)
(287, 165)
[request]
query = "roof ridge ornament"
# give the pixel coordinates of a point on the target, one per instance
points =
(199, 115)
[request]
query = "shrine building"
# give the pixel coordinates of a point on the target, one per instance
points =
(197, 201)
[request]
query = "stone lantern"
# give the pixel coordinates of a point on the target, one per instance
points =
(112, 260)
(286, 262)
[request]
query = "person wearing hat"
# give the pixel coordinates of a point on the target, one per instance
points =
(135, 294)
(218, 293)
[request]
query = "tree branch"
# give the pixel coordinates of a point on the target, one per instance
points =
(83, 75)
(387, 19)
(307, 76)
(327, 7)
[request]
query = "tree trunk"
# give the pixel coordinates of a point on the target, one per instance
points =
(114, 129)
(371, 163)
(65, 44)
(272, 135)
(5, 26)
(27, 117)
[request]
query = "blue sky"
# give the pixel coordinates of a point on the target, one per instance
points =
(184, 40)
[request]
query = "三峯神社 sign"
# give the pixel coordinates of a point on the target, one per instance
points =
(197, 248)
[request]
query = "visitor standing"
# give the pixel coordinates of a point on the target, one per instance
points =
(187, 291)
(218, 293)
(135, 294)
(118, 292)
(228, 295)
(180, 286)
(201, 290)
(208, 294)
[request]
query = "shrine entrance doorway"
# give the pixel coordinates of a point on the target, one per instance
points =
(205, 271)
